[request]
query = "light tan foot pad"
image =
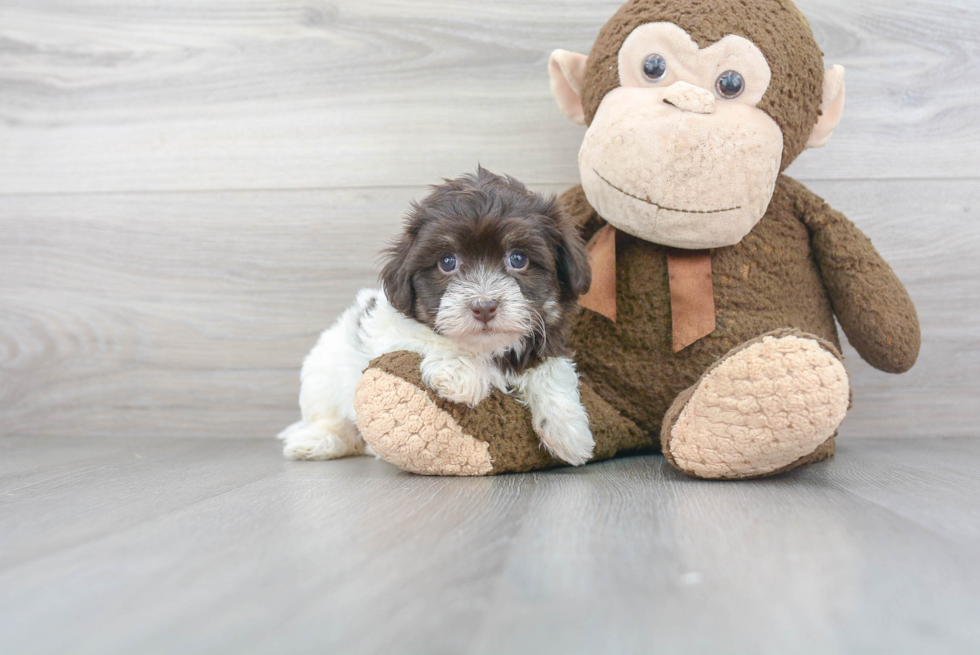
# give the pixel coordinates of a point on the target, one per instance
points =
(767, 407)
(406, 428)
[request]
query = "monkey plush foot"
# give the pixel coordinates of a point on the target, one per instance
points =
(768, 406)
(410, 426)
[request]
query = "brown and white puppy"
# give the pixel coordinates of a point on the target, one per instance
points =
(481, 283)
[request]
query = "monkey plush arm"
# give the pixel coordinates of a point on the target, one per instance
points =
(870, 302)
(586, 218)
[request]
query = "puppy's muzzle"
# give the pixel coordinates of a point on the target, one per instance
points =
(484, 309)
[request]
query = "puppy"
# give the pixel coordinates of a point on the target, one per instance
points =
(481, 284)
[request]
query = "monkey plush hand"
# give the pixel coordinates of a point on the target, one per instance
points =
(709, 328)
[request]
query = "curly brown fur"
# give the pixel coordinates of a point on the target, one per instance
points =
(481, 221)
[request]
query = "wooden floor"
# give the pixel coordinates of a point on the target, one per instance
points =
(219, 546)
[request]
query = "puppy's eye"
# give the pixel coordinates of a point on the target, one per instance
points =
(518, 261)
(448, 264)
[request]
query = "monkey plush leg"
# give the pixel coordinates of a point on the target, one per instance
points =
(768, 406)
(413, 428)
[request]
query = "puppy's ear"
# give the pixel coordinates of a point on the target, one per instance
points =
(396, 276)
(574, 271)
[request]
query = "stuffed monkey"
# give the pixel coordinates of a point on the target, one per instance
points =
(709, 329)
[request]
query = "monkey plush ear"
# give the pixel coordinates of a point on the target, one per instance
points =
(832, 107)
(567, 71)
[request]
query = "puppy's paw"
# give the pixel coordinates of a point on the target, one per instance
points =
(312, 441)
(560, 421)
(565, 432)
(456, 380)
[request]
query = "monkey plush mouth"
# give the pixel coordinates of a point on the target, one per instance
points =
(668, 209)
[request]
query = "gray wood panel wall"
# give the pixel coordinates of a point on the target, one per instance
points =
(190, 191)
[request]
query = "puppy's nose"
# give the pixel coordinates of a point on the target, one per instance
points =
(484, 310)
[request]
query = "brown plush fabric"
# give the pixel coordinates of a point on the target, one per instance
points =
(771, 280)
(870, 302)
(505, 425)
(776, 26)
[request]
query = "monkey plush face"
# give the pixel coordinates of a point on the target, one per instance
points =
(701, 160)
(687, 136)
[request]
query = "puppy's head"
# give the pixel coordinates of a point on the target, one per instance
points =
(489, 264)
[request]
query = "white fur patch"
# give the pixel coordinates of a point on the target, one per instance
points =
(514, 317)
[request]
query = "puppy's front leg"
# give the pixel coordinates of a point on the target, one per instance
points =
(455, 378)
(560, 420)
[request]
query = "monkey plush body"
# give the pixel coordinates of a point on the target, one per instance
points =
(709, 330)
(779, 271)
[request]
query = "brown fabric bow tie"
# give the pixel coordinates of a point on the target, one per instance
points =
(692, 300)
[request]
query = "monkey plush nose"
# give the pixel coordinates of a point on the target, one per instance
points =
(688, 97)
(484, 310)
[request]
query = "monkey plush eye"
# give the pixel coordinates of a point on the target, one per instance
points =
(730, 85)
(518, 261)
(655, 68)
(448, 264)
